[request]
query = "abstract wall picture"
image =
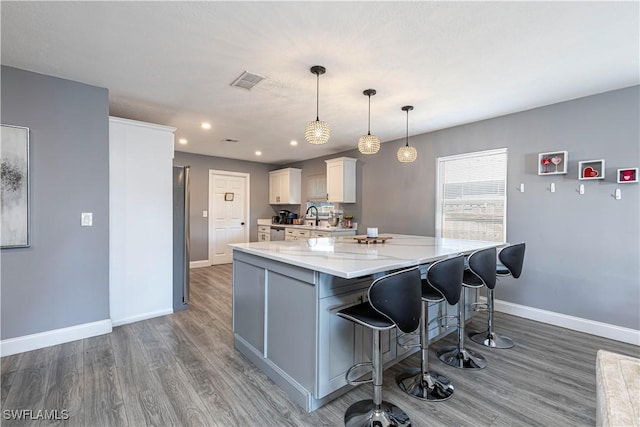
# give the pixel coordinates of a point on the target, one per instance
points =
(591, 169)
(627, 175)
(553, 163)
(14, 197)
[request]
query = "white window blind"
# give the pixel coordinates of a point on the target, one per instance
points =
(471, 199)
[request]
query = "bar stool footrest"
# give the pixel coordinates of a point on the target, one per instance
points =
(405, 344)
(356, 366)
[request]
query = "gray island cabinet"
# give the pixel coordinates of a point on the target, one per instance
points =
(285, 299)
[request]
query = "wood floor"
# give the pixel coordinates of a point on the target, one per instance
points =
(182, 369)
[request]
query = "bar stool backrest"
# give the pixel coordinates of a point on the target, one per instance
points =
(512, 257)
(398, 296)
(446, 277)
(482, 263)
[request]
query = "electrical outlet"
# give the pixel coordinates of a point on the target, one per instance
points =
(86, 219)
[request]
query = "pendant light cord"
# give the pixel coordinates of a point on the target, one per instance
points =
(407, 129)
(317, 97)
(369, 125)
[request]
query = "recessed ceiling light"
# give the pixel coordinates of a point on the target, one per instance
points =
(294, 142)
(182, 141)
(258, 153)
(206, 125)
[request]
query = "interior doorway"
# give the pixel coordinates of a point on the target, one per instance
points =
(229, 195)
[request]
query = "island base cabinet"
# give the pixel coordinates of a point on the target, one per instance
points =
(248, 303)
(340, 342)
(291, 327)
(344, 343)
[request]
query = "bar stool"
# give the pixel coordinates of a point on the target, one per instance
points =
(482, 270)
(394, 301)
(444, 280)
(511, 259)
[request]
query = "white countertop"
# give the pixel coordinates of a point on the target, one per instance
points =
(345, 257)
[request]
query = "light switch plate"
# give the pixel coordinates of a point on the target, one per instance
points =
(205, 214)
(86, 219)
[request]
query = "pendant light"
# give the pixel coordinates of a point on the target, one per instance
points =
(407, 154)
(317, 132)
(369, 144)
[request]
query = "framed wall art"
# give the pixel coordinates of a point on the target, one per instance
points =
(14, 181)
(627, 175)
(553, 163)
(591, 169)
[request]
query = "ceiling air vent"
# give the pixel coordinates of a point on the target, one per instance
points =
(247, 80)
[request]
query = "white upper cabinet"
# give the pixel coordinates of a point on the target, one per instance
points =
(285, 186)
(341, 180)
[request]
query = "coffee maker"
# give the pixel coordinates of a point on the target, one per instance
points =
(287, 217)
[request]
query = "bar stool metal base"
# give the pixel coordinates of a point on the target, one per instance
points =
(365, 414)
(492, 340)
(434, 388)
(466, 359)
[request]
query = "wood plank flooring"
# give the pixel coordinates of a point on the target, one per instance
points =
(182, 370)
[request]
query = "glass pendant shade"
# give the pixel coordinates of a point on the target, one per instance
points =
(369, 144)
(407, 154)
(317, 132)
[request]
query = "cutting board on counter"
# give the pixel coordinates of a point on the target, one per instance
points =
(368, 240)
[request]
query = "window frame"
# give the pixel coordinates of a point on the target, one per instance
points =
(439, 187)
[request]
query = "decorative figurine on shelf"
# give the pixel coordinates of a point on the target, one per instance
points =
(556, 160)
(546, 161)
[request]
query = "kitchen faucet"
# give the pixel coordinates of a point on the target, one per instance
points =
(313, 207)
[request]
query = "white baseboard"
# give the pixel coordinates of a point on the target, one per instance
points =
(579, 324)
(144, 316)
(198, 264)
(57, 336)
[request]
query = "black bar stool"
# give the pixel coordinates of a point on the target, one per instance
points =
(511, 260)
(394, 301)
(444, 280)
(481, 271)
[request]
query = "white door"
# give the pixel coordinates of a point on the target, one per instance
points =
(228, 213)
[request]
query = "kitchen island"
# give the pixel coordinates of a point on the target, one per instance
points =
(285, 299)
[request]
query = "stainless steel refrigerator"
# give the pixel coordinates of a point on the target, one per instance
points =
(180, 237)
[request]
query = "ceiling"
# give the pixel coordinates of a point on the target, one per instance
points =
(172, 63)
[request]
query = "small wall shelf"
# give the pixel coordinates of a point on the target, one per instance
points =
(553, 163)
(591, 169)
(627, 175)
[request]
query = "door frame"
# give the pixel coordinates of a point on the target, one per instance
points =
(210, 205)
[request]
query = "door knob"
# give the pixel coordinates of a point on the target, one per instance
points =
(242, 223)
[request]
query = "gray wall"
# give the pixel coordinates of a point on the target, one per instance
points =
(583, 251)
(62, 280)
(200, 166)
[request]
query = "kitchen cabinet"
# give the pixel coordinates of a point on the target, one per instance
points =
(264, 233)
(347, 342)
(296, 234)
(341, 180)
(285, 186)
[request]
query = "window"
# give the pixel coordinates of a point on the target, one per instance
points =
(471, 201)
